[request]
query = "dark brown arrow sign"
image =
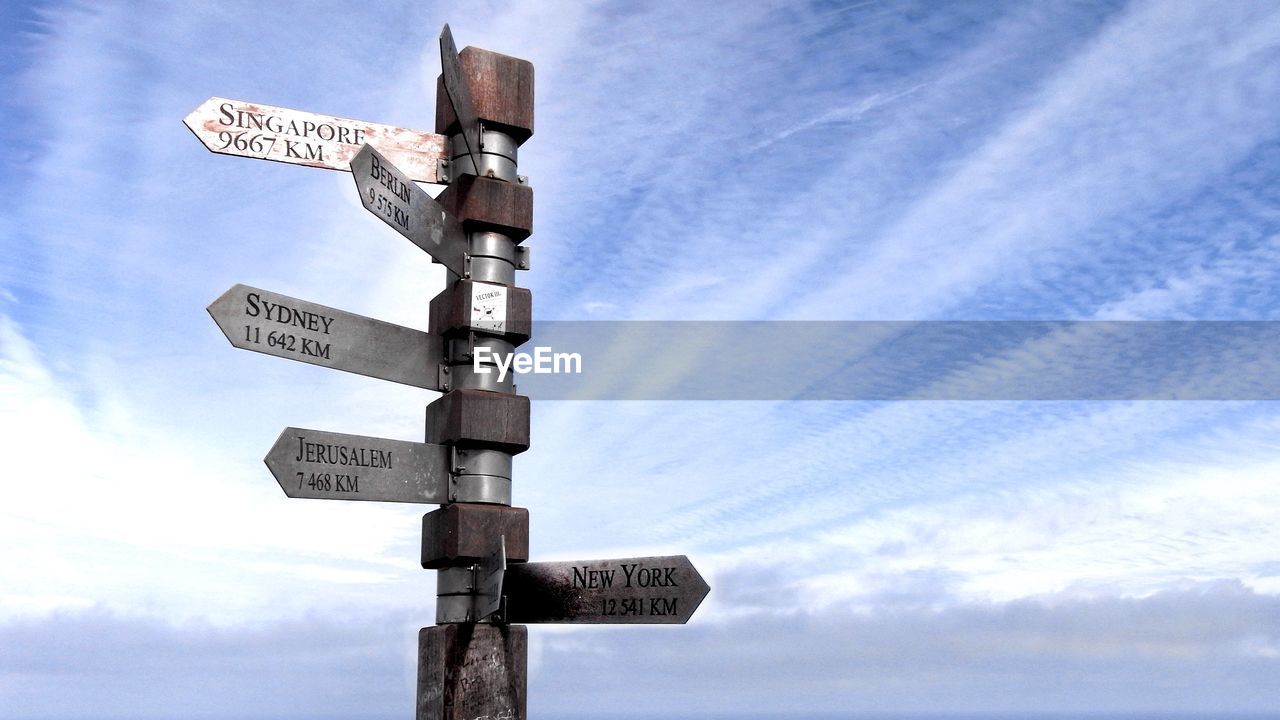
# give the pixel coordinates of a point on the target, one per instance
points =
(388, 193)
(334, 466)
(631, 590)
(286, 327)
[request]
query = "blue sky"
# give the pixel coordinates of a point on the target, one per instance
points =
(746, 161)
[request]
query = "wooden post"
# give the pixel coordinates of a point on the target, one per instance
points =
(472, 667)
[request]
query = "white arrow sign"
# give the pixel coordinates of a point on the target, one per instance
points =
(266, 132)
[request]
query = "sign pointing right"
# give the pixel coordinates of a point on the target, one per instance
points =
(631, 590)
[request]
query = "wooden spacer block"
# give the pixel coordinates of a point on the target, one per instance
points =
(468, 671)
(480, 417)
(466, 533)
(501, 93)
(486, 204)
(451, 311)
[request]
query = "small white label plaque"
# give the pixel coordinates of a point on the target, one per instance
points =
(489, 307)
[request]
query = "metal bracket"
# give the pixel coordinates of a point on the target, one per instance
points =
(458, 353)
(444, 167)
(522, 257)
(443, 378)
(456, 463)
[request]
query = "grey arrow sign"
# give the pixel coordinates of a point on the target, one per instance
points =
(267, 132)
(459, 94)
(333, 466)
(388, 193)
(631, 590)
(286, 327)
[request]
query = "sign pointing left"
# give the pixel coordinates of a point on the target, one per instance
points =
(286, 327)
(390, 194)
(336, 466)
(267, 132)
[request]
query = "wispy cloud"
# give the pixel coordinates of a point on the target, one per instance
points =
(756, 161)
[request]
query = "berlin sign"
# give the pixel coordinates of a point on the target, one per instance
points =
(388, 193)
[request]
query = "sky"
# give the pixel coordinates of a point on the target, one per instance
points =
(754, 161)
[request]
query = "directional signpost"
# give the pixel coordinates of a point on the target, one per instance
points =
(286, 327)
(472, 664)
(266, 132)
(409, 210)
(334, 466)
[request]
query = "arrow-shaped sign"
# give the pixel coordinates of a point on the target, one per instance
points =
(459, 93)
(333, 466)
(388, 193)
(266, 132)
(286, 327)
(631, 590)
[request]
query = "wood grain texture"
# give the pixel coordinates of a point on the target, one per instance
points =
(465, 533)
(480, 418)
(469, 671)
(486, 204)
(501, 93)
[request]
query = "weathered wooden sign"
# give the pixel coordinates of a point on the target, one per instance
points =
(631, 590)
(388, 193)
(335, 466)
(266, 132)
(459, 94)
(286, 327)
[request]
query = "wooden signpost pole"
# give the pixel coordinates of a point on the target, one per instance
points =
(472, 664)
